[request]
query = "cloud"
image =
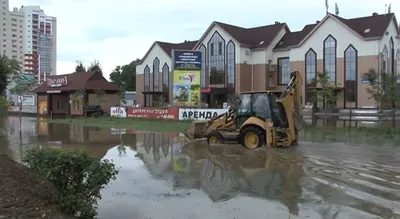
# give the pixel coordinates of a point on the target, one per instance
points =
(117, 32)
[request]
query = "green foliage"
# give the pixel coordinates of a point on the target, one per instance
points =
(77, 95)
(80, 67)
(326, 91)
(125, 76)
(94, 66)
(76, 176)
(9, 68)
(383, 88)
(4, 103)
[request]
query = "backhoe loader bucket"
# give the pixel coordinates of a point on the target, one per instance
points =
(196, 130)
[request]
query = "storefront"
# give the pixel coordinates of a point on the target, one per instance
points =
(71, 94)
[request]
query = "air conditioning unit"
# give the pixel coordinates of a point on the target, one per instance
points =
(248, 52)
(271, 85)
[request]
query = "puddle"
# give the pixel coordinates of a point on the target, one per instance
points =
(162, 176)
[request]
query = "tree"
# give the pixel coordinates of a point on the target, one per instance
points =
(9, 68)
(383, 88)
(325, 91)
(80, 67)
(125, 76)
(94, 66)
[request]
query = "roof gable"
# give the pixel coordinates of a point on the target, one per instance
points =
(168, 47)
(377, 25)
(256, 37)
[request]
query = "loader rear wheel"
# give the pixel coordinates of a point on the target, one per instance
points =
(252, 137)
(215, 137)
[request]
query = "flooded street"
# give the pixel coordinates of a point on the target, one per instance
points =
(161, 176)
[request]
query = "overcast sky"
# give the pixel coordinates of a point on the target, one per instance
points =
(116, 32)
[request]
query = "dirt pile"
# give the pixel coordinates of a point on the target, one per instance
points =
(23, 195)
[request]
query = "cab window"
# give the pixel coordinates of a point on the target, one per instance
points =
(244, 106)
(261, 107)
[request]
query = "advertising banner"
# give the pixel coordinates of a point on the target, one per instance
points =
(186, 77)
(42, 107)
(27, 100)
(118, 112)
(186, 88)
(152, 113)
(29, 109)
(199, 114)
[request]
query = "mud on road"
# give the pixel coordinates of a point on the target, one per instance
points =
(23, 195)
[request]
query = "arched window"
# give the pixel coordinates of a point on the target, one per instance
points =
(231, 66)
(385, 57)
(311, 73)
(165, 77)
(350, 74)
(147, 97)
(216, 59)
(203, 66)
(398, 63)
(330, 58)
(156, 73)
(147, 78)
(391, 55)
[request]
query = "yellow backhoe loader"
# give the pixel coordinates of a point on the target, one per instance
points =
(271, 118)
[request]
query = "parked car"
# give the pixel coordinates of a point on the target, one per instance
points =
(92, 110)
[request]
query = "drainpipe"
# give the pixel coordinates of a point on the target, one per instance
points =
(252, 77)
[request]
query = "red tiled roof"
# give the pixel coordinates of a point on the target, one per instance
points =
(252, 37)
(376, 23)
(79, 81)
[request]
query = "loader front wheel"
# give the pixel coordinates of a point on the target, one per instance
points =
(215, 138)
(252, 137)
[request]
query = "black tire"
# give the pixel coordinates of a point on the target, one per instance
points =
(215, 135)
(252, 129)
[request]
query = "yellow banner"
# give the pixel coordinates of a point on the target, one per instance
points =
(186, 88)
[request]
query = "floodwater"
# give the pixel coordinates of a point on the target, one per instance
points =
(161, 176)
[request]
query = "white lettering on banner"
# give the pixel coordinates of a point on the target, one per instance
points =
(118, 112)
(199, 114)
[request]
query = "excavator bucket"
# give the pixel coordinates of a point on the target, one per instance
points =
(196, 130)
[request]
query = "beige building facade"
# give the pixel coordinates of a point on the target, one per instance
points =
(262, 58)
(12, 34)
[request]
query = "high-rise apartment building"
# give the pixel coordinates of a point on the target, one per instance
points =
(40, 42)
(29, 36)
(12, 32)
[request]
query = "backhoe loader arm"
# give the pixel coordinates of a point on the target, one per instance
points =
(291, 100)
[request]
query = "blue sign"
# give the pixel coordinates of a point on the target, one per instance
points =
(187, 60)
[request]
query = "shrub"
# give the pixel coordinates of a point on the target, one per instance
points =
(76, 176)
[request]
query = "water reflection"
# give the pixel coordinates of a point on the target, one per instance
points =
(225, 172)
(161, 177)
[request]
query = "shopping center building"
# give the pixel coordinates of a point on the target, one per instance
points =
(237, 59)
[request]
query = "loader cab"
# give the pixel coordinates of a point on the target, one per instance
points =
(262, 105)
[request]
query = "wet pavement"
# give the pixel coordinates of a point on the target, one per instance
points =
(162, 176)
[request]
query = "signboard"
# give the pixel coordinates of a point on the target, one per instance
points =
(57, 82)
(187, 60)
(186, 88)
(186, 77)
(199, 114)
(118, 112)
(29, 109)
(14, 109)
(27, 100)
(152, 113)
(25, 79)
